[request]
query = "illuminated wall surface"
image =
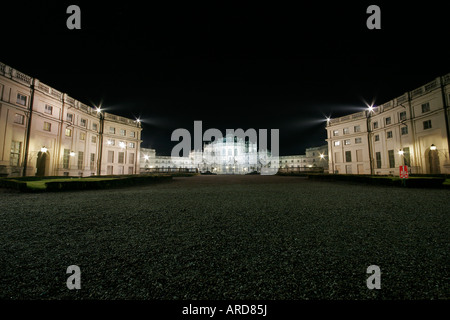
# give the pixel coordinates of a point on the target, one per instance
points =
(410, 130)
(48, 133)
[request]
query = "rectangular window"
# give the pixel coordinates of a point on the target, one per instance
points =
(112, 130)
(375, 125)
(335, 133)
(94, 126)
(378, 159)
(425, 107)
(388, 121)
(92, 161)
(94, 139)
(123, 132)
(357, 128)
(19, 118)
(121, 157)
(348, 156)
(82, 136)
(110, 156)
(377, 137)
(111, 142)
(391, 158)
(70, 117)
(406, 157)
(337, 143)
(109, 170)
(346, 131)
(66, 159)
(21, 99)
(48, 109)
(359, 155)
(14, 157)
(47, 126)
(402, 115)
(337, 157)
(358, 140)
(132, 134)
(83, 122)
(130, 170)
(348, 169)
(131, 145)
(389, 134)
(68, 132)
(131, 158)
(404, 130)
(427, 125)
(347, 142)
(80, 160)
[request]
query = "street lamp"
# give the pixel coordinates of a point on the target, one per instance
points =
(101, 117)
(72, 154)
(433, 147)
(44, 149)
(369, 139)
(400, 152)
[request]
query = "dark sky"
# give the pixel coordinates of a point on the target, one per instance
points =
(231, 66)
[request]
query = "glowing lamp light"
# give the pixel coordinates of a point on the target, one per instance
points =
(322, 156)
(122, 145)
(72, 154)
(98, 110)
(146, 157)
(433, 147)
(370, 108)
(44, 149)
(400, 152)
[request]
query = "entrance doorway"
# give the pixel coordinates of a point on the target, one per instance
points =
(42, 163)
(433, 164)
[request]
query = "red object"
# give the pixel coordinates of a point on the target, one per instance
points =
(404, 172)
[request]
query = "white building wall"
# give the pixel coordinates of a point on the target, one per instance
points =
(382, 136)
(52, 128)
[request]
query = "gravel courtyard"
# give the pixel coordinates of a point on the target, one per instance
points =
(227, 238)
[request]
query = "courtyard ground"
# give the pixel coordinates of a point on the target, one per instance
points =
(227, 238)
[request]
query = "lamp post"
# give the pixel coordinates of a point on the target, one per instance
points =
(369, 139)
(331, 147)
(100, 142)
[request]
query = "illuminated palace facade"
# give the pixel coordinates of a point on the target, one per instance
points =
(45, 132)
(230, 155)
(233, 155)
(411, 130)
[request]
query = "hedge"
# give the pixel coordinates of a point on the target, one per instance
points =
(85, 184)
(14, 185)
(413, 182)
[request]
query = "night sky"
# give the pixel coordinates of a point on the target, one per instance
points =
(263, 65)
